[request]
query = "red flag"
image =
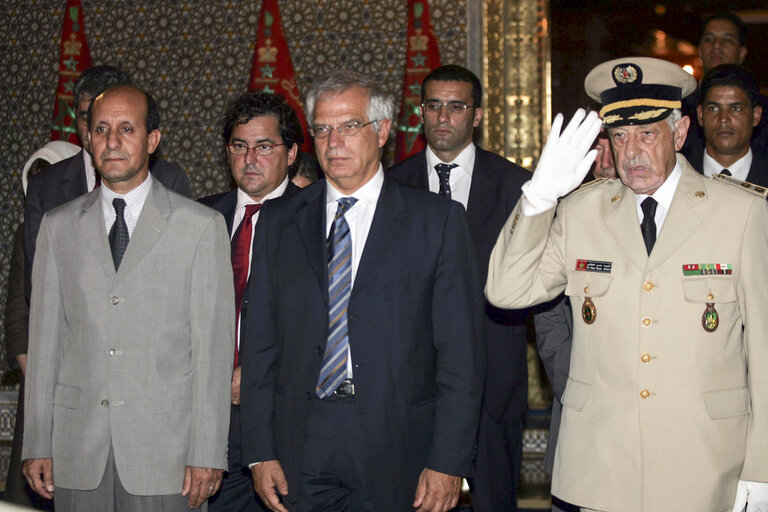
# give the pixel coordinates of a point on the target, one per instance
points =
(74, 58)
(272, 68)
(422, 56)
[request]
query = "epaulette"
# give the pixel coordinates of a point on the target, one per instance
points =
(744, 185)
(589, 184)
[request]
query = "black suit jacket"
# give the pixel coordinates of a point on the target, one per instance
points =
(414, 335)
(758, 171)
(63, 182)
(493, 194)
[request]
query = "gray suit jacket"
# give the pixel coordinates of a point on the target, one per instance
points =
(140, 358)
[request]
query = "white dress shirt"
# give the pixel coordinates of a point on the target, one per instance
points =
(663, 197)
(739, 169)
(460, 179)
(134, 202)
(359, 218)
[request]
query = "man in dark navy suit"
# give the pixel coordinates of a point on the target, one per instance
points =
(362, 356)
(488, 187)
(728, 112)
(74, 176)
(262, 135)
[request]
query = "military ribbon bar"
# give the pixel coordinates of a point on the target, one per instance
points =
(707, 269)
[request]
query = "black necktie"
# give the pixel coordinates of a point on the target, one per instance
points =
(444, 174)
(648, 226)
(726, 172)
(118, 234)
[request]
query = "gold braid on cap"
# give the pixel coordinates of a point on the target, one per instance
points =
(646, 102)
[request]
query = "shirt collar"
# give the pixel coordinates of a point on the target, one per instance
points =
(134, 199)
(465, 159)
(367, 193)
(739, 169)
(244, 199)
(666, 191)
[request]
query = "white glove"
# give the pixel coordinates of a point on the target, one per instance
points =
(564, 162)
(751, 496)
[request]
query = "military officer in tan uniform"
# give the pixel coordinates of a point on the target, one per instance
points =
(665, 270)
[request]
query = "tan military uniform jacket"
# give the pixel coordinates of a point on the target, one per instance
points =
(659, 414)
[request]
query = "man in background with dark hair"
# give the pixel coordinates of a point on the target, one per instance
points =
(131, 333)
(488, 187)
(728, 111)
(77, 175)
(723, 41)
(262, 135)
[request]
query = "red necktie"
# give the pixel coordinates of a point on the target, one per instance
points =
(241, 248)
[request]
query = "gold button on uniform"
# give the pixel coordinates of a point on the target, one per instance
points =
(699, 194)
(586, 289)
(615, 198)
(710, 297)
(646, 321)
(648, 286)
(645, 394)
(645, 358)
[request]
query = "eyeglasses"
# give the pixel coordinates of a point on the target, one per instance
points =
(239, 149)
(348, 129)
(454, 107)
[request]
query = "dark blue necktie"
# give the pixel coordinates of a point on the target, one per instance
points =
(334, 369)
(444, 174)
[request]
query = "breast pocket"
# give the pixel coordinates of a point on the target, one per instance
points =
(703, 289)
(588, 284)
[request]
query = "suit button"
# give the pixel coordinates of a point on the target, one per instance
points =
(319, 350)
(644, 394)
(648, 286)
(646, 321)
(111, 352)
(309, 395)
(645, 358)
(105, 403)
(115, 301)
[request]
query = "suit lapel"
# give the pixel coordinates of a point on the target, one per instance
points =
(310, 222)
(386, 228)
(624, 214)
(681, 221)
(91, 224)
(152, 222)
(482, 192)
(73, 183)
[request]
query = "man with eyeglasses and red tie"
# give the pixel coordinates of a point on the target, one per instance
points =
(362, 355)
(488, 186)
(262, 135)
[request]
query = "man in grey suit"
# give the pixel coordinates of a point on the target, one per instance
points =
(131, 333)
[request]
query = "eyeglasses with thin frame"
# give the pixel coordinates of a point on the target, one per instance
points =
(348, 129)
(239, 149)
(454, 107)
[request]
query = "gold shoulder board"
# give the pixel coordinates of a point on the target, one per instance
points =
(744, 185)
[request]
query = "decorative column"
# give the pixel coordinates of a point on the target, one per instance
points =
(516, 73)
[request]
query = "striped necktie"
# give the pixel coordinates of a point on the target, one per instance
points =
(334, 369)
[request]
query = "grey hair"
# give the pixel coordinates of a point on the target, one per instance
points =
(380, 106)
(674, 117)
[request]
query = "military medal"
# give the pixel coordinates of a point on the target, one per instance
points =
(710, 319)
(588, 311)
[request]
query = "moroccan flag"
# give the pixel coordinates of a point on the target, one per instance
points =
(272, 69)
(74, 58)
(422, 56)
